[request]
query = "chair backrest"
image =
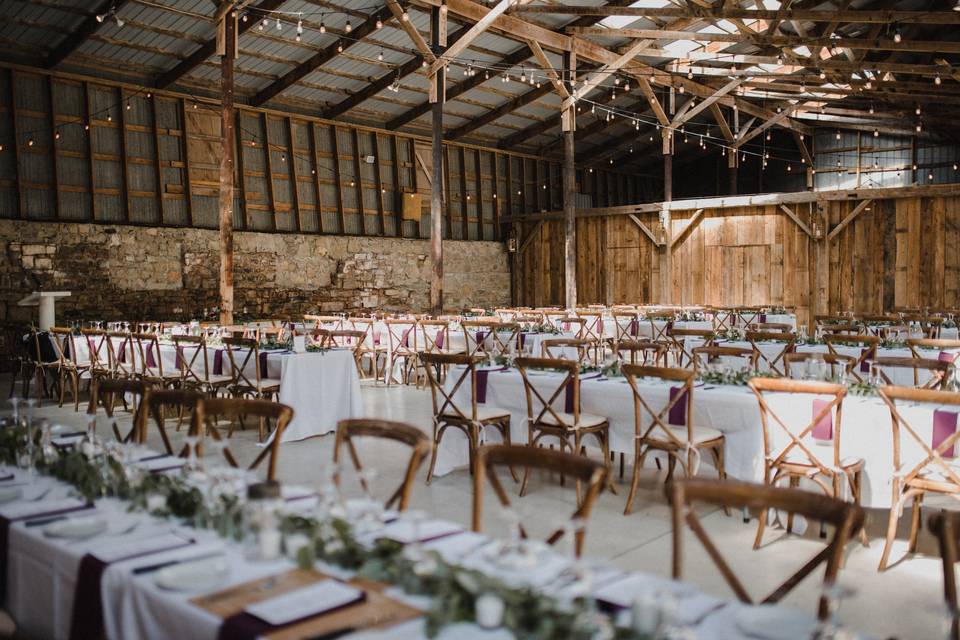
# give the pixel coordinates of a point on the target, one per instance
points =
(788, 439)
(325, 322)
(192, 359)
(436, 335)
(564, 388)
(775, 327)
(233, 408)
(121, 354)
(839, 363)
(580, 468)
(775, 363)
(626, 325)
(148, 353)
(402, 336)
(592, 327)
(946, 527)
(641, 352)
(932, 448)
(709, 355)
(105, 391)
(490, 336)
(929, 325)
(98, 355)
(847, 520)
(678, 341)
(676, 412)
(416, 439)
(949, 349)
(868, 349)
(443, 395)
(157, 402)
(939, 371)
(240, 353)
(561, 348)
(63, 345)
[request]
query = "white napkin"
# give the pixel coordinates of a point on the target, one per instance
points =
(308, 601)
(28, 509)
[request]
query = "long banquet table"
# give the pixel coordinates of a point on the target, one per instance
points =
(43, 575)
(866, 430)
(322, 387)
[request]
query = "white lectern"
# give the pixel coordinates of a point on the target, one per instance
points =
(46, 301)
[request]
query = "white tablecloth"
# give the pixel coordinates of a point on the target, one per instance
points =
(866, 430)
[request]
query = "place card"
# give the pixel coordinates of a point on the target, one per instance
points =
(68, 440)
(404, 532)
(312, 600)
(454, 547)
(161, 463)
(299, 344)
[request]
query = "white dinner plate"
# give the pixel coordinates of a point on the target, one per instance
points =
(772, 622)
(197, 575)
(9, 494)
(79, 528)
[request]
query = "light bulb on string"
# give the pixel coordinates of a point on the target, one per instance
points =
(876, 133)
(245, 17)
(379, 23)
(823, 74)
(897, 36)
(936, 79)
(30, 142)
(405, 16)
(323, 27)
(279, 25)
(919, 127)
(339, 47)
(128, 105)
(918, 110)
(263, 24)
(380, 56)
(349, 27)
(56, 135)
(689, 73)
(871, 109)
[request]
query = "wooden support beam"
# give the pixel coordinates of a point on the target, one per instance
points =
(158, 169)
(777, 119)
(187, 190)
(479, 27)
(570, 216)
(411, 31)
(645, 229)
(87, 28)
(315, 158)
(208, 48)
(793, 216)
(722, 122)
(397, 188)
(527, 239)
(227, 136)
(54, 151)
(87, 117)
(436, 187)
(358, 183)
(124, 168)
(293, 177)
(378, 182)
(464, 223)
(655, 105)
(495, 187)
(707, 102)
(548, 69)
(478, 180)
(495, 114)
(335, 152)
(666, 250)
(241, 178)
(694, 222)
(857, 210)
(268, 164)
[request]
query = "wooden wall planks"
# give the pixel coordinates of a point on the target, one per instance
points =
(897, 253)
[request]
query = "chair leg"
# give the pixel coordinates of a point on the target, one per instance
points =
(635, 481)
(75, 381)
(505, 432)
(891, 527)
(915, 522)
(761, 525)
(63, 387)
(437, 434)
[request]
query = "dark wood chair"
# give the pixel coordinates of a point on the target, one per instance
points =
(417, 440)
(946, 527)
(233, 408)
(104, 392)
(847, 519)
(587, 472)
(68, 367)
(158, 403)
(242, 355)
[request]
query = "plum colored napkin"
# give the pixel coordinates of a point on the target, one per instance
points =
(870, 352)
(678, 412)
(482, 376)
(824, 428)
(218, 362)
(439, 341)
(263, 365)
(946, 356)
(944, 426)
(151, 362)
(634, 327)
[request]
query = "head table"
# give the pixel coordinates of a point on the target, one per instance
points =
(48, 580)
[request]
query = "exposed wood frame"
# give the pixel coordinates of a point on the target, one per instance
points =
(87, 28)
(187, 190)
(529, 237)
(494, 114)
(464, 41)
(242, 176)
(87, 117)
(706, 103)
(55, 175)
(378, 182)
(799, 222)
(397, 188)
(315, 155)
(158, 170)
(464, 223)
(124, 170)
(268, 169)
(777, 119)
(732, 12)
(293, 177)
(358, 173)
(645, 229)
(694, 222)
(478, 179)
(722, 122)
(411, 31)
(850, 217)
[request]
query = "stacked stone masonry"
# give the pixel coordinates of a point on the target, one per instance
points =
(133, 273)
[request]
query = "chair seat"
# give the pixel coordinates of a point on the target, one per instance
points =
(269, 383)
(484, 414)
(154, 372)
(218, 379)
(587, 420)
(798, 463)
(701, 435)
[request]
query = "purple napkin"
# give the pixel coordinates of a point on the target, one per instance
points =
(263, 365)
(122, 354)
(87, 619)
(178, 362)
(150, 360)
(870, 352)
(568, 397)
(762, 317)
(523, 339)
(482, 375)
(824, 428)
(439, 340)
(634, 327)
(678, 412)
(218, 362)
(406, 337)
(376, 338)
(944, 426)
(480, 336)
(946, 356)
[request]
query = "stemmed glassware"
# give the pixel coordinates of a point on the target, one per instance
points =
(833, 595)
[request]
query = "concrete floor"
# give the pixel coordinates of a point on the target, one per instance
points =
(903, 602)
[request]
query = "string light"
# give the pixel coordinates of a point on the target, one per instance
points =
(299, 29)
(349, 27)
(379, 23)
(936, 80)
(263, 24)
(323, 27)
(380, 56)
(897, 36)
(279, 25)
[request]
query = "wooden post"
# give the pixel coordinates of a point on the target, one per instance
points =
(436, 185)
(732, 167)
(568, 120)
(666, 254)
(227, 134)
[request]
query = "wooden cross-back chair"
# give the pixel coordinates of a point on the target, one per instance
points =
(195, 370)
(775, 363)
(626, 326)
(156, 405)
(840, 364)
(946, 527)
(505, 314)
(104, 392)
(723, 319)
(369, 346)
(834, 325)
(661, 324)
(241, 354)
(237, 331)
(788, 448)
(451, 412)
(745, 316)
(43, 360)
(401, 432)
(878, 325)
(847, 520)
(939, 371)
(69, 367)
(949, 348)
(684, 352)
(641, 352)
(150, 368)
(929, 325)
(670, 430)
(234, 408)
(562, 347)
(867, 353)
(356, 341)
(703, 356)
(592, 326)
(98, 355)
(402, 349)
(933, 469)
(436, 339)
(568, 424)
(585, 471)
(486, 337)
(774, 327)
(270, 333)
(324, 322)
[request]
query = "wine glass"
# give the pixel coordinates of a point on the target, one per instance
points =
(833, 594)
(192, 459)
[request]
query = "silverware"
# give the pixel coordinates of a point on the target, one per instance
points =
(43, 494)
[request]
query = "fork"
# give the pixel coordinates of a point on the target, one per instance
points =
(43, 494)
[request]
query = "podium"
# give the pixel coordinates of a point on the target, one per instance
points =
(46, 303)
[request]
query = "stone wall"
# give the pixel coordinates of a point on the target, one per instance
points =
(125, 272)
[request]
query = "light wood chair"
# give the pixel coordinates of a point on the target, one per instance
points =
(946, 527)
(939, 370)
(703, 356)
(626, 325)
(330, 323)
(847, 520)
(671, 429)
(370, 347)
(561, 347)
(416, 439)
(567, 424)
(949, 348)
(98, 355)
(193, 360)
(234, 408)
(356, 341)
(929, 325)
(586, 472)
(644, 352)
(401, 350)
(868, 350)
(773, 327)
(788, 451)
(684, 352)
(448, 411)
(150, 362)
(931, 469)
(68, 367)
(121, 355)
(241, 354)
(839, 363)
(490, 337)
